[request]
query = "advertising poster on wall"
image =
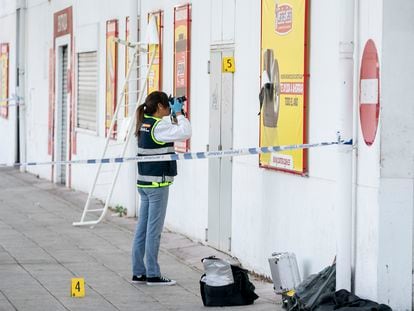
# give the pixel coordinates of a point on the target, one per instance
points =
(4, 79)
(182, 28)
(51, 100)
(111, 73)
(155, 74)
(128, 57)
(284, 83)
(127, 52)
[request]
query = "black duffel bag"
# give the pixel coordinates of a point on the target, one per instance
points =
(239, 293)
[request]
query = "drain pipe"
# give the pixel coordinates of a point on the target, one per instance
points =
(344, 158)
(20, 82)
(355, 142)
(131, 149)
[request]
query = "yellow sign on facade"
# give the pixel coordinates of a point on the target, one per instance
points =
(228, 64)
(283, 80)
(4, 79)
(111, 71)
(154, 78)
(78, 287)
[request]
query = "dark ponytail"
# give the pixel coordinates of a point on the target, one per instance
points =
(150, 107)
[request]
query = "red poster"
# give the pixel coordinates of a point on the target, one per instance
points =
(51, 102)
(182, 32)
(74, 107)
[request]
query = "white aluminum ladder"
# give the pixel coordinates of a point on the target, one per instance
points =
(99, 213)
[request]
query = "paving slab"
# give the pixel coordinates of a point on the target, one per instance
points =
(40, 251)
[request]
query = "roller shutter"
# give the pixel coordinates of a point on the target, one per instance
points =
(87, 90)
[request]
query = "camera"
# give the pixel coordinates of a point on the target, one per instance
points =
(180, 99)
(171, 99)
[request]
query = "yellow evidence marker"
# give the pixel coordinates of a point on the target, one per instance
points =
(228, 64)
(78, 287)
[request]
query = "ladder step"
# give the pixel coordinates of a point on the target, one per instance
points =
(106, 171)
(134, 79)
(85, 223)
(130, 44)
(138, 67)
(127, 105)
(103, 184)
(95, 210)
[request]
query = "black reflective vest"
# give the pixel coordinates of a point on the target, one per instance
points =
(154, 174)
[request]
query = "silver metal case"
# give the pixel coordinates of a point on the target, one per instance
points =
(285, 272)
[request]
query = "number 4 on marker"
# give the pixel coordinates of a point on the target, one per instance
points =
(78, 287)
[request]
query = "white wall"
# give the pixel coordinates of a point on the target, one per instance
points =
(8, 126)
(396, 190)
(39, 39)
(187, 210)
(90, 35)
(274, 211)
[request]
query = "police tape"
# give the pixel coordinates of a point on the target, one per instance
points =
(5, 102)
(187, 155)
(10, 105)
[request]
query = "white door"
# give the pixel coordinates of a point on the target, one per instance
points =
(62, 126)
(220, 138)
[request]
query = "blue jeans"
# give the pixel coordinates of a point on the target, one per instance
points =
(148, 232)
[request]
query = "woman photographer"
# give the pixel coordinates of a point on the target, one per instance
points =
(156, 135)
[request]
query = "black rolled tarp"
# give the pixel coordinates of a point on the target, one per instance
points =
(317, 293)
(343, 300)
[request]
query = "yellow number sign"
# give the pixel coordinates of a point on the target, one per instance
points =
(228, 64)
(78, 287)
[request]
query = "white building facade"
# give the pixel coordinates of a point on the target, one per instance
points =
(236, 205)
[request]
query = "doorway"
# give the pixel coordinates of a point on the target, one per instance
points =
(220, 138)
(62, 115)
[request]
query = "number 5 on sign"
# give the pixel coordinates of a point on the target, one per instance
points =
(228, 64)
(78, 287)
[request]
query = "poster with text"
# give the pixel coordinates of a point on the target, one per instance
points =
(111, 74)
(129, 106)
(284, 83)
(155, 74)
(127, 60)
(4, 80)
(182, 45)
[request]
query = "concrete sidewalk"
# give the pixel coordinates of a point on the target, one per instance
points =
(40, 251)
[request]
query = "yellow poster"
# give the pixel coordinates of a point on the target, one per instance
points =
(126, 96)
(283, 82)
(154, 79)
(111, 72)
(4, 79)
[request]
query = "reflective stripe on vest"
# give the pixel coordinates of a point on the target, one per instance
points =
(155, 185)
(157, 120)
(155, 178)
(142, 151)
